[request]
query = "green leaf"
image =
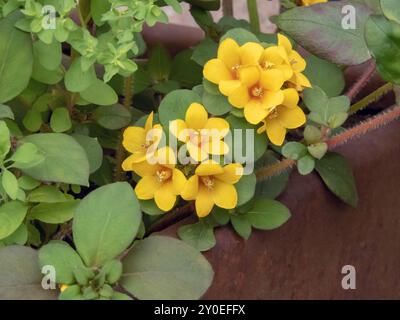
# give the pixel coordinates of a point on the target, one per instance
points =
(63, 258)
(305, 165)
(267, 214)
(12, 214)
(312, 134)
(5, 143)
(246, 188)
(26, 155)
(160, 268)
(294, 150)
(318, 150)
(175, 104)
(106, 222)
(149, 207)
(166, 87)
(316, 72)
(185, 71)
(318, 28)
(175, 5)
(94, 151)
(239, 140)
(216, 105)
(78, 80)
(15, 58)
(112, 117)
(97, 9)
(28, 183)
(383, 40)
(40, 74)
(100, 93)
(159, 64)
(48, 55)
(273, 186)
(47, 194)
(6, 112)
(19, 237)
(60, 120)
(240, 35)
(241, 225)
(338, 177)
(199, 235)
(20, 276)
(205, 51)
(209, 5)
(32, 120)
(54, 213)
(391, 9)
(65, 160)
(10, 184)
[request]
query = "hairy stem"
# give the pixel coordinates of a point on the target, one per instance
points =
(333, 142)
(372, 97)
(119, 174)
(362, 81)
(253, 15)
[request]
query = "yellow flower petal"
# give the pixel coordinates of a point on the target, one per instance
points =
(197, 153)
(189, 192)
(204, 202)
(286, 70)
(145, 169)
(239, 97)
(273, 56)
(165, 197)
(129, 162)
(228, 86)
(216, 147)
(209, 168)
(249, 76)
(284, 42)
(217, 125)
(177, 128)
(272, 99)
(297, 62)
(272, 79)
(146, 187)
(224, 195)
(228, 52)
(291, 98)
(178, 180)
(215, 71)
(262, 128)
(149, 122)
(254, 112)
(275, 131)
(250, 53)
(291, 118)
(302, 80)
(134, 139)
(232, 173)
(196, 116)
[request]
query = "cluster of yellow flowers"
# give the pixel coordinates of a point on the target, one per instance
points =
(163, 179)
(264, 82)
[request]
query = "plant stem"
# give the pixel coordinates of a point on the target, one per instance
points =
(227, 8)
(372, 97)
(371, 124)
(253, 15)
(362, 81)
(119, 174)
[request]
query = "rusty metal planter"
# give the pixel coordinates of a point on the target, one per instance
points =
(304, 258)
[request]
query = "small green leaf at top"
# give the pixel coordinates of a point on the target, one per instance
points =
(294, 150)
(200, 235)
(267, 214)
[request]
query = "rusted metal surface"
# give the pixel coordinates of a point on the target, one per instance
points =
(304, 258)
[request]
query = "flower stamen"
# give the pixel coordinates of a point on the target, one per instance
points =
(208, 182)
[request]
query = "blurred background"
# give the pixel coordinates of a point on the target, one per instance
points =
(267, 8)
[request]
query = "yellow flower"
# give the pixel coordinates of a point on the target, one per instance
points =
(213, 185)
(298, 80)
(311, 2)
(275, 57)
(257, 91)
(230, 58)
(287, 115)
(160, 181)
(202, 135)
(63, 287)
(141, 142)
